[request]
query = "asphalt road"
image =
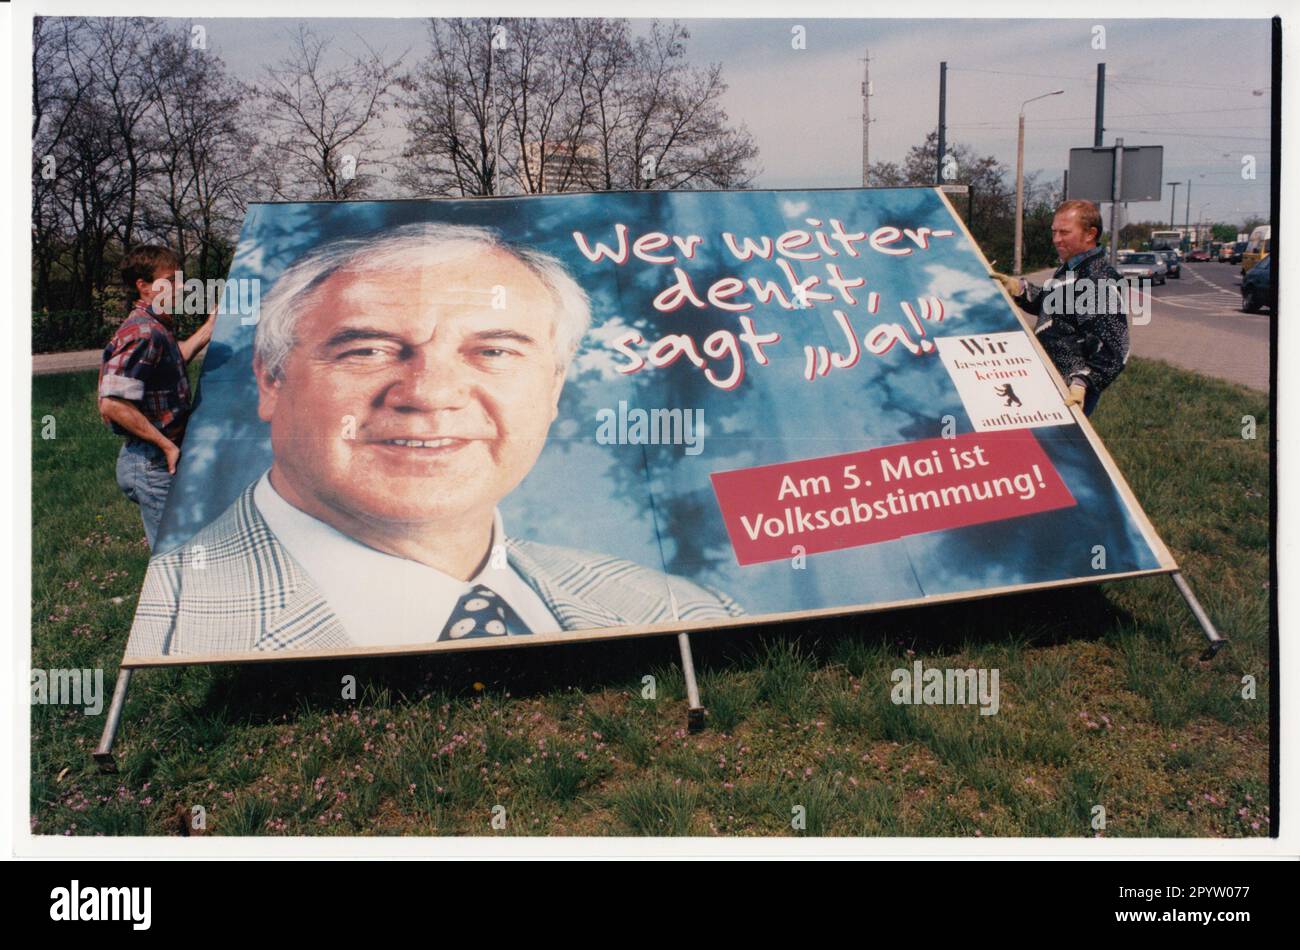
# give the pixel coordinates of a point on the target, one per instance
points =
(43, 363)
(1197, 323)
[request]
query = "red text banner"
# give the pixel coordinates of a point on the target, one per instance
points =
(811, 506)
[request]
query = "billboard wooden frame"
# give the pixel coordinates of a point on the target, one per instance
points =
(696, 712)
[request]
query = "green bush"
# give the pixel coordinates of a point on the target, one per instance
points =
(63, 331)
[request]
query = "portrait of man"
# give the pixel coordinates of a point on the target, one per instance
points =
(409, 380)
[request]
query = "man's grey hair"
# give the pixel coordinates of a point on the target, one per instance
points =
(421, 244)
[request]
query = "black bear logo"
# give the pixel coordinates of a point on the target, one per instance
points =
(1007, 393)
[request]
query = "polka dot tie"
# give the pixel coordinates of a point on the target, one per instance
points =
(482, 613)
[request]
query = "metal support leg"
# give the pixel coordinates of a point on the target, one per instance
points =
(103, 753)
(695, 714)
(1207, 625)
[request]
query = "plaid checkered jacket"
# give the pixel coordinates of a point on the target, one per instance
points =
(143, 364)
(234, 588)
(1093, 345)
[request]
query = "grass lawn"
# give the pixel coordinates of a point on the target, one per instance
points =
(1103, 699)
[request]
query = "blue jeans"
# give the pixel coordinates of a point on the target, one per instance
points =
(143, 477)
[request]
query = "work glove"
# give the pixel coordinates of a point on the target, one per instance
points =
(1013, 285)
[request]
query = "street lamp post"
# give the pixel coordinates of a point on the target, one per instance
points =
(1020, 180)
(1173, 198)
(1200, 225)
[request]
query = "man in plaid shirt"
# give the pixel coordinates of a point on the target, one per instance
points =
(143, 391)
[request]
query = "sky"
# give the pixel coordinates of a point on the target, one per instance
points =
(1197, 87)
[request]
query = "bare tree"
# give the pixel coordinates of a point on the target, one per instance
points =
(136, 135)
(543, 69)
(556, 105)
(454, 102)
(91, 199)
(609, 56)
(324, 122)
(680, 138)
(119, 58)
(205, 167)
(57, 91)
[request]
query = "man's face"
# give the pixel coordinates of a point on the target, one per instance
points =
(451, 399)
(1069, 237)
(164, 287)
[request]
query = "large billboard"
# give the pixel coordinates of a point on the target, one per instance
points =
(455, 424)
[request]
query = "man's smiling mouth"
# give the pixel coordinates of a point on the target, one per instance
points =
(422, 443)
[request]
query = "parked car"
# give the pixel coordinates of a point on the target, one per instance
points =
(1171, 261)
(1198, 255)
(1147, 265)
(1238, 251)
(1255, 286)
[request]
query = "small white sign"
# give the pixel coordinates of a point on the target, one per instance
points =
(1002, 382)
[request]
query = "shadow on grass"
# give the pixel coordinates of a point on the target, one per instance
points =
(263, 693)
